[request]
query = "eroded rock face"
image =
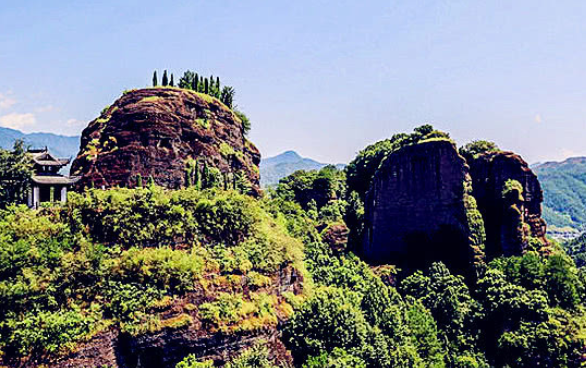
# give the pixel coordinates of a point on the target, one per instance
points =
(336, 236)
(153, 132)
(167, 347)
(490, 172)
(416, 212)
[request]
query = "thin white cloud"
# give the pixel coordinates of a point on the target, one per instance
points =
(75, 122)
(538, 119)
(6, 101)
(46, 108)
(17, 121)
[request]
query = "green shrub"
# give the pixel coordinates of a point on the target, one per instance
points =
(163, 268)
(255, 357)
(330, 319)
(37, 332)
(191, 361)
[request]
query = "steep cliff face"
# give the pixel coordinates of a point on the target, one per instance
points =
(418, 210)
(157, 132)
(165, 348)
(502, 216)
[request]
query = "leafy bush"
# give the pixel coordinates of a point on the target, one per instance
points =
(255, 357)
(330, 319)
(473, 149)
(338, 358)
(38, 332)
(191, 361)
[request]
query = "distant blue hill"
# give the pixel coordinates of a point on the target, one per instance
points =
(58, 145)
(272, 169)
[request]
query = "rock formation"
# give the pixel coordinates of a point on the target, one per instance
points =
(426, 203)
(418, 211)
(502, 216)
(157, 132)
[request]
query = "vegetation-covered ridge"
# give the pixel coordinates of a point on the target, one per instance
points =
(521, 310)
(150, 277)
(142, 261)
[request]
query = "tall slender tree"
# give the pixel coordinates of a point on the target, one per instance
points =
(212, 87)
(165, 79)
(195, 82)
(171, 83)
(206, 86)
(155, 82)
(205, 180)
(197, 178)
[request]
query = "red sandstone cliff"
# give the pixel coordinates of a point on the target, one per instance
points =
(153, 132)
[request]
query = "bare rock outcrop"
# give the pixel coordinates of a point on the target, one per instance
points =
(419, 210)
(155, 132)
(503, 216)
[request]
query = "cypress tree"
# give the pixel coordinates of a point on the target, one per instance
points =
(155, 83)
(201, 86)
(139, 181)
(188, 177)
(204, 175)
(206, 86)
(218, 84)
(165, 79)
(197, 178)
(195, 82)
(171, 83)
(212, 86)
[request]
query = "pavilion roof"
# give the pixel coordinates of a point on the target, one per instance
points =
(44, 158)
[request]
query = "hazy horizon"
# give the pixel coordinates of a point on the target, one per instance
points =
(321, 78)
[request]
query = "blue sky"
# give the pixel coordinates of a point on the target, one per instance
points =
(324, 78)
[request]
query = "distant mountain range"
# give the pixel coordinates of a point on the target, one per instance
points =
(272, 169)
(59, 145)
(564, 191)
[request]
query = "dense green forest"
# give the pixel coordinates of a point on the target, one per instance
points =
(120, 258)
